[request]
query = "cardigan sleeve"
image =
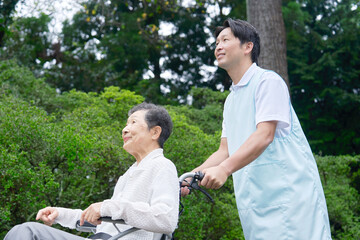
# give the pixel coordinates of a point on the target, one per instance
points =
(160, 214)
(68, 217)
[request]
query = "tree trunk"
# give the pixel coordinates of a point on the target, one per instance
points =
(266, 17)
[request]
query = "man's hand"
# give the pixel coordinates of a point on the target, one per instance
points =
(215, 177)
(47, 215)
(91, 214)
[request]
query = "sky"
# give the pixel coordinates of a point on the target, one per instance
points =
(60, 10)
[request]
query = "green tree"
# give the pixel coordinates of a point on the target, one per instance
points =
(28, 43)
(21, 83)
(7, 7)
(323, 57)
(116, 43)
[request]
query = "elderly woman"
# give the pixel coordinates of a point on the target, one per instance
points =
(146, 196)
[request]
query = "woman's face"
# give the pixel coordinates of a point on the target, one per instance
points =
(136, 134)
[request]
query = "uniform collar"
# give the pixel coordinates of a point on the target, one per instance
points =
(246, 78)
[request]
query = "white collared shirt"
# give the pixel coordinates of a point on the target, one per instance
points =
(272, 100)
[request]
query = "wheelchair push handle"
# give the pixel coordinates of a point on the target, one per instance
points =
(196, 176)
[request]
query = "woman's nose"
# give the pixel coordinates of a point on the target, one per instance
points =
(125, 130)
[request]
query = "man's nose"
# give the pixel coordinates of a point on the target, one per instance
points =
(218, 47)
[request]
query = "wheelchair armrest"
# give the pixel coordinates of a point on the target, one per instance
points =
(109, 219)
(86, 227)
(118, 221)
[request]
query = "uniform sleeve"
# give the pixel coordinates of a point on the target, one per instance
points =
(68, 217)
(272, 100)
(160, 215)
(223, 132)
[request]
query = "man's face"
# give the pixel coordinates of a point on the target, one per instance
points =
(136, 134)
(228, 51)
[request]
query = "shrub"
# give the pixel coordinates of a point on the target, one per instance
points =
(342, 199)
(66, 150)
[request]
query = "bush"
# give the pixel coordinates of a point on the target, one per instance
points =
(26, 179)
(342, 199)
(71, 160)
(66, 150)
(188, 147)
(21, 83)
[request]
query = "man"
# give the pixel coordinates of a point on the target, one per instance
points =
(146, 196)
(276, 182)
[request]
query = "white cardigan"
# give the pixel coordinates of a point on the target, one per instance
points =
(146, 197)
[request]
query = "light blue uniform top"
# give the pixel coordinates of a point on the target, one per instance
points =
(279, 195)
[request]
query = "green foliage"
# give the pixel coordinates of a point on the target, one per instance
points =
(115, 43)
(203, 97)
(206, 109)
(29, 42)
(203, 220)
(65, 150)
(26, 180)
(118, 43)
(21, 83)
(323, 60)
(343, 199)
(6, 9)
(50, 159)
(188, 147)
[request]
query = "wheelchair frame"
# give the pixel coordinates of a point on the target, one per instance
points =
(193, 185)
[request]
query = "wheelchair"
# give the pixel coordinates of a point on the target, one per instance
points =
(192, 185)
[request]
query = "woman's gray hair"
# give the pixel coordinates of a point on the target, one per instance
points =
(156, 116)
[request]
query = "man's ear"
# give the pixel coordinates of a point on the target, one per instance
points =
(249, 47)
(156, 131)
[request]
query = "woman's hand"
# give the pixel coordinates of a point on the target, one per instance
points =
(91, 214)
(47, 215)
(184, 187)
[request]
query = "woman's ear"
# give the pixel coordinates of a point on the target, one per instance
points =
(155, 132)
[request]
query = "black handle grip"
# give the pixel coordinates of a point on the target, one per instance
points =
(194, 185)
(199, 175)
